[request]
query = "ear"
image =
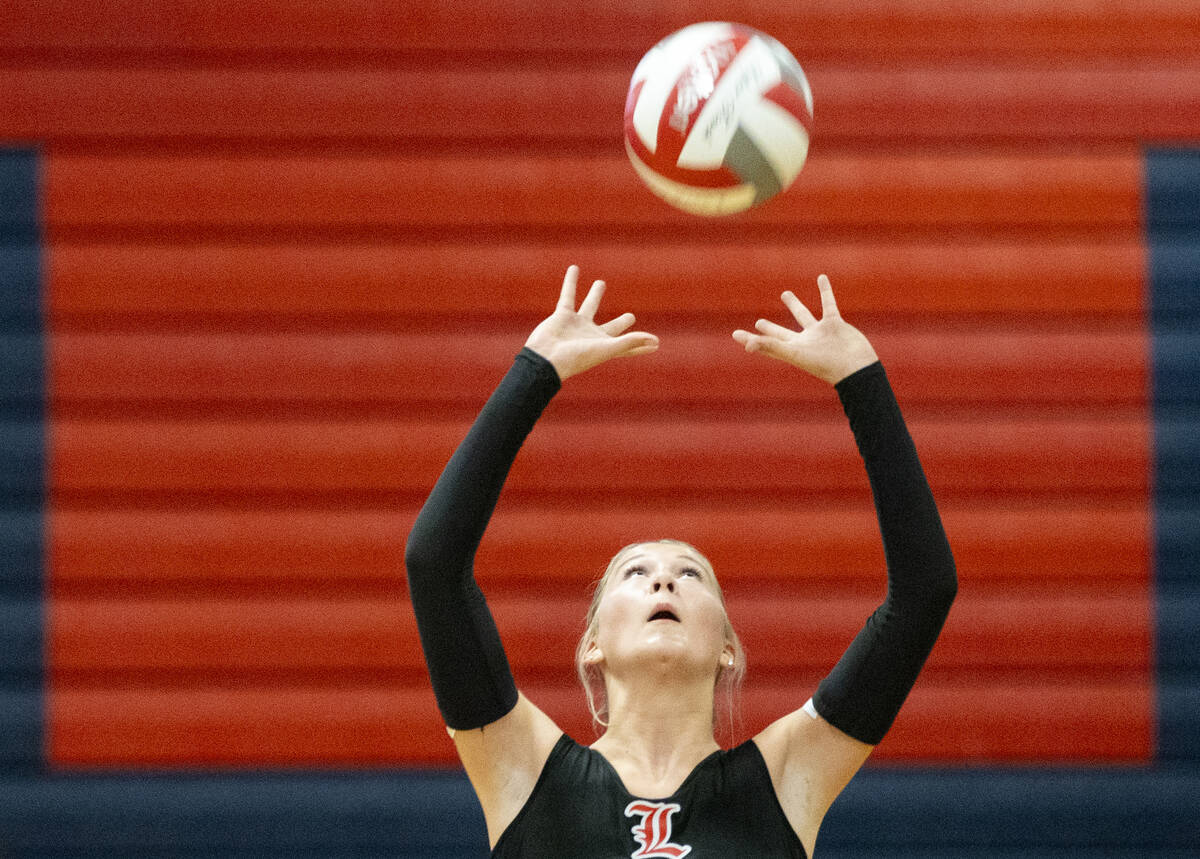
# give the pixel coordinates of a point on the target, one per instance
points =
(593, 655)
(727, 658)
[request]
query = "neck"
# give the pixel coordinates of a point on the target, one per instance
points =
(657, 725)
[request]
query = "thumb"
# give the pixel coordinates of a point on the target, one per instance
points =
(634, 343)
(758, 343)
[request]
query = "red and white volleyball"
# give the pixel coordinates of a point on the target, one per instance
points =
(717, 119)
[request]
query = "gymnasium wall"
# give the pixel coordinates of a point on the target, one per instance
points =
(261, 265)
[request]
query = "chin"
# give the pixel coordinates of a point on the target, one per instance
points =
(676, 655)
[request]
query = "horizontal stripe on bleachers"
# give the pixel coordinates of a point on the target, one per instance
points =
(211, 637)
(332, 372)
(891, 33)
(288, 551)
(748, 459)
(383, 193)
(365, 722)
(578, 103)
(333, 283)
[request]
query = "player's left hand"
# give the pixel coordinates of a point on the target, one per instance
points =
(829, 348)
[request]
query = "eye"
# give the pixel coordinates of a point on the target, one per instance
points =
(634, 570)
(691, 571)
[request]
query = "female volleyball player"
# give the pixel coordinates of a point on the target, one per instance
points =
(656, 783)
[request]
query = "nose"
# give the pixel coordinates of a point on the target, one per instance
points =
(662, 579)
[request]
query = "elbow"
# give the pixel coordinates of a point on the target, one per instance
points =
(431, 555)
(941, 575)
(932, 588)
(946, 590)
(420, 556)
(928, 584)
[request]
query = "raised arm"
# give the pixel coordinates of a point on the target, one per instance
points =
(471, 677)
(812, 753)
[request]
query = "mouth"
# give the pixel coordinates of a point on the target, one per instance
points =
(663, 614)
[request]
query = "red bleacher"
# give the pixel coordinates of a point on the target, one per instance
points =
(287, 258)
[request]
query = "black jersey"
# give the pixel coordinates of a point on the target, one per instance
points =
(580, 809)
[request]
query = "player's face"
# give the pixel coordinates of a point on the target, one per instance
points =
(661, 603)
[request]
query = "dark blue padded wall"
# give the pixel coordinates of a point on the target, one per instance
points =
(884, 814)
(1173, 227)
(22, 455)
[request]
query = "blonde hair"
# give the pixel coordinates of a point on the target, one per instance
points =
(728, 679)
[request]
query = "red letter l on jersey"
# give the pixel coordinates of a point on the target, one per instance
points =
(653, 834)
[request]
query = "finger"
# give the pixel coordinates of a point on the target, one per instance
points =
(757, 344)
(566, 298)
(634, 343)
(771, 329)
(591, 302)
(751, 342)
(799, 312)
(619, 325)
(828, 303)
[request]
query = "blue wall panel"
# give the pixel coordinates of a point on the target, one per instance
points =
(21, 552)
(259, 815)
(22, 463)
(20, 246)
(885, 812)
(1173, 236)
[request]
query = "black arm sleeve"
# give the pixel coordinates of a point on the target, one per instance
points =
(470, 673)
(863, 693)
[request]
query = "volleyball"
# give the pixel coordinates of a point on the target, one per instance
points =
(717, 118)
